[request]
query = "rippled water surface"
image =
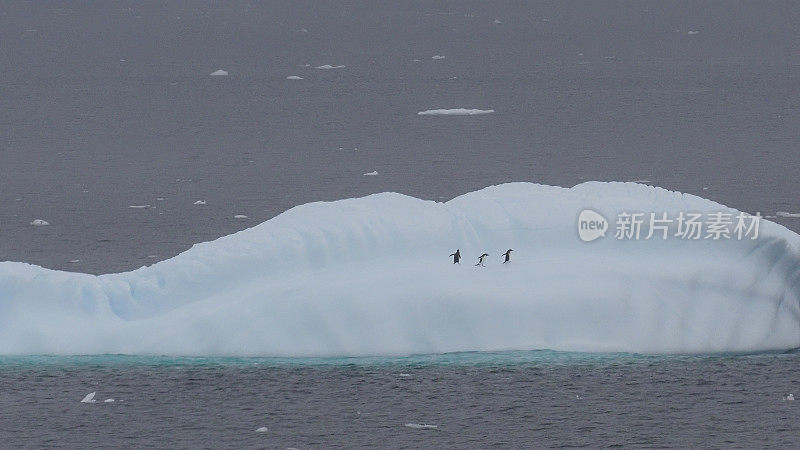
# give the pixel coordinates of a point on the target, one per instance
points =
(467, 400)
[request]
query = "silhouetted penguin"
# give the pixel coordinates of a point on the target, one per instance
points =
(481, 258)
(456, 256)
(507, 254)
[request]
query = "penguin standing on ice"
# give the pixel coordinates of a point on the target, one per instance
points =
(507, 255)
(481, 258)
(456, 256)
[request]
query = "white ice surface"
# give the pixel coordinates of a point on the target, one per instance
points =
(454, 112)
(219, 73)
(371, 276)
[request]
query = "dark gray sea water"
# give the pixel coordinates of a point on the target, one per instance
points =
(511, 400)
(106, 105)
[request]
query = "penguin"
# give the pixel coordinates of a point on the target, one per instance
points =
(456, 256)
(507, 255)
(481, 258)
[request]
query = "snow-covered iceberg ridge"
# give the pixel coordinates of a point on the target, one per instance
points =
(371, 276)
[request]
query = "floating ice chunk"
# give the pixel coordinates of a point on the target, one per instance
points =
(578, 397)
(19, 199)
(404, 375)
(692, 32)
(416, 60)
(371, 174)
(497, 21)
(294, 303)
(787, 214)
(152, 256)
(240, 216)
(294, 77)
(454, 112)
(262, 430)
(328, 66)
(789, 397)
(74, 260)
(39, 222)
(159, 199)
(219, 73)
(108, 400)
(140, 206)
(200, 202)
(303, 30)
(89, 398)
(421, 426)
(437, 57)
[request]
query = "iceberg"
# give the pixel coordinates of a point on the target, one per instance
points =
(372, 276)
(219, 73)
(454, 112)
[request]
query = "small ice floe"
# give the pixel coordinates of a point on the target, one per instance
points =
(303, 30)
(262, 430)
(39, 223)
(240, 216)
(219, 73)
(139, 206)
(416, 60)
(89, 398)
(705, 188)
(108, 400)
(455, 112)
(692, 32)
(789, 397)
(306, 65)
(152, 256)
(371, 174)
(421, 426)
(159, 199)
(404, 375)
(437, 57)
(200, 202)
(578, 397)
(294, 77)
(497, 21)
(787, 214)
(19, 199)
(74, 261)
(328, 66)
